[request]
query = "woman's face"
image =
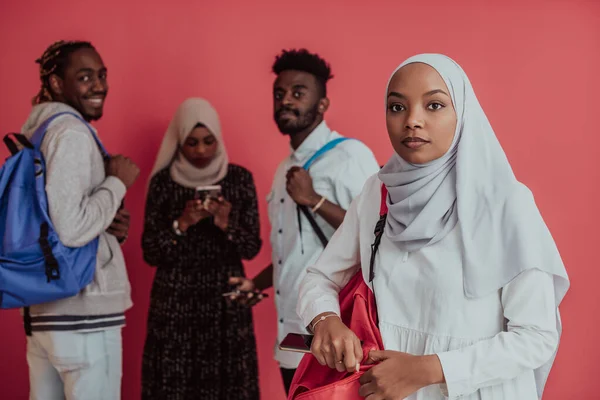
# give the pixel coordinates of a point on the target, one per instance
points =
(200, 147)
(420, 116)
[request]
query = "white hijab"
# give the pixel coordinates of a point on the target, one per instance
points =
(472, 185)
(190, 113)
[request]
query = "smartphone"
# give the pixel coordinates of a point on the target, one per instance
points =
(297, 342)
(242, 292)
(203, 193)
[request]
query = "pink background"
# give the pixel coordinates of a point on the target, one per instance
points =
(534, 65)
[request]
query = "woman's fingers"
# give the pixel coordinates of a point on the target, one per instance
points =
(336, 346)
(339, 348)
(316, 350)
(329, 354)
(358, 351)
(350, 361)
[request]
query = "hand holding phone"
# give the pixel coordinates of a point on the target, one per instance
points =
(193, 213)
(245, 294)
(214, 202)
(297, 342)
(206, 193)
(244, 291)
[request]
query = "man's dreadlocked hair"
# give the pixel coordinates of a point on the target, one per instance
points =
(54, 61)
(303, 60)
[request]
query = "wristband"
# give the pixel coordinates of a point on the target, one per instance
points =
(318, 205)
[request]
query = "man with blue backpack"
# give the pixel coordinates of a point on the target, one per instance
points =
(311, 192)
(74, 310)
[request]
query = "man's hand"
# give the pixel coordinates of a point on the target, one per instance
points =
(249, 295)
(120, 225)
(300, 187)
(123, 168)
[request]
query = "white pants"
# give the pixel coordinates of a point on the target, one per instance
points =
(75, 366)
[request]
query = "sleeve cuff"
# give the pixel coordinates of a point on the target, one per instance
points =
(456, 374)
(173, 242)
(444, 389)
(319, 307)
(116, 186)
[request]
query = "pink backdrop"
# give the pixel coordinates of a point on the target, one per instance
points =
(534, 65)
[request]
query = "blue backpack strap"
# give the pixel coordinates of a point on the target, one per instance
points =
(40, 132)
(330, 145)
(303, 209)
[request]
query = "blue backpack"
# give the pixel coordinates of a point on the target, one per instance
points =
(35, 267)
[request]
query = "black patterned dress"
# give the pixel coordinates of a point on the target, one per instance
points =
(198, 345)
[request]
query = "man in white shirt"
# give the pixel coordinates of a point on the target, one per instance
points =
(335, 178)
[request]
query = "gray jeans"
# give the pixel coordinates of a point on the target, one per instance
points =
(75, 366)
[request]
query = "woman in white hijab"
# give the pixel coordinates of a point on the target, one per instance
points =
(467, 278)
(198, 346)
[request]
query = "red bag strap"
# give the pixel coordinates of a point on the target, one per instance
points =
(383, 210)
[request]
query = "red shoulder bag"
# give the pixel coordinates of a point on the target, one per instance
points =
(314, 381)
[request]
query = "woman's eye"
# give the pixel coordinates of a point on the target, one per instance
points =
(435, 106)
(396, 107)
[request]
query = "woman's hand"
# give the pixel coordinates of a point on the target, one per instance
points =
(220, 209)
(193, 213)
(335, 345)
(398, 375)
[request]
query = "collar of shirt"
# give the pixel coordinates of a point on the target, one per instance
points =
(317, 139)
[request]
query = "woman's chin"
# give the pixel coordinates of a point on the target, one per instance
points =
(200, 164)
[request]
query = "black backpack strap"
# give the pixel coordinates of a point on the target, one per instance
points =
(313, 224)
(11, 145)
(52, 271)
(27, 321)
(379, 228)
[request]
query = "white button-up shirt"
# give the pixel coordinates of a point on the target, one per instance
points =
(339, 175)
(488, 346)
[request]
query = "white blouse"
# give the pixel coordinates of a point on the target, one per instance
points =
(488, 346)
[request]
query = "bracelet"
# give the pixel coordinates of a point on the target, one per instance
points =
(176, 229)
(323, 318)
(318, 205)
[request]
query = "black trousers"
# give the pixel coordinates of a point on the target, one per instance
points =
(287, 375)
